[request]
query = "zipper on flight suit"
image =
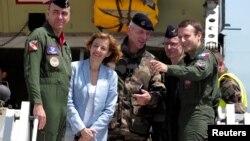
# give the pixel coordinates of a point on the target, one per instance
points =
(62, 54)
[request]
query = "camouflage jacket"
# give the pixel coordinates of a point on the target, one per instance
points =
(134, 71)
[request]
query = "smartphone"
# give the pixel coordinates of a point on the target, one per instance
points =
(139, 90)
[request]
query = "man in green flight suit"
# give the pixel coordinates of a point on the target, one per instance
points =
(47, 71)
(198, 83)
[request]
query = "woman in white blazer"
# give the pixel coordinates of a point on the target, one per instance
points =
(93, 91)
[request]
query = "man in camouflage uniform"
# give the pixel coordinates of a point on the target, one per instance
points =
(47, 59)
(231, 88)
(139, 88)
(198, 83)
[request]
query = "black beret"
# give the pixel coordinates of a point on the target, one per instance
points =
(143, 21)
(61, 3)
(171, 31)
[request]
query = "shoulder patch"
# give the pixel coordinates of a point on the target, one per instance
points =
(203, 55)
(201, 64)
(33, 46)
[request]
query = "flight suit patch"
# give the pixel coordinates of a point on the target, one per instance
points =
(201, 64)
(33, 46)
(52, 50)
(204, 55)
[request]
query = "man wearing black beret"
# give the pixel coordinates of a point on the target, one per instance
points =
(143, 21)
(139, 87)
(47, 59)
(167, 130)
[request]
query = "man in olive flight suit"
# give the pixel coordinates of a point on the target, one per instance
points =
(198, 83)
(47, 72)
(139, 88)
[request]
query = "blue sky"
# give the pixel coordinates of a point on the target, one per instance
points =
(237, 51)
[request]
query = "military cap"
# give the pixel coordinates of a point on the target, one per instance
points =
(61, 3)
(171, 31)
(143, 21)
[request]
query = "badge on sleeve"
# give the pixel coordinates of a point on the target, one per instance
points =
(33, 46)
(52, 50)
(54, 62)
(201, 64)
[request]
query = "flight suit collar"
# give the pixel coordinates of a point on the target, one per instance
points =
(49, 29)
(188, 58)
(51, 33)
(181, 62)
(199, 51)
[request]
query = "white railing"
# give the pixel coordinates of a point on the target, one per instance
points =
(227, 116)
(212, 24)
(15, 124)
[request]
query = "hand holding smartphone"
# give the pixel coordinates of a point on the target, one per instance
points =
(141, 87)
